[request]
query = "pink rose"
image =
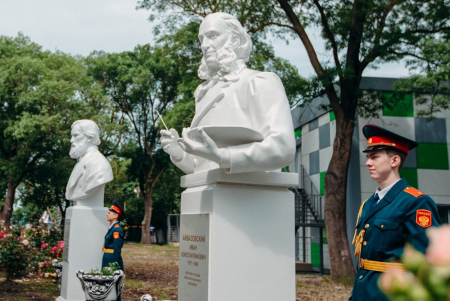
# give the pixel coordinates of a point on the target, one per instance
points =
(393, 277)
(61, 244)
(44, 264)
(43, 246)
(25, 242)
(438, 250)
(55, 249)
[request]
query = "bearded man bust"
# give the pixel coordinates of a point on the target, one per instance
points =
(234, 96)
(92, 170)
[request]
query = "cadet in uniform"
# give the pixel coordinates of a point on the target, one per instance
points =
(114, 238)
(394, 215)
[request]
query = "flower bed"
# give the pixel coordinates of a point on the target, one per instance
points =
(29, 249)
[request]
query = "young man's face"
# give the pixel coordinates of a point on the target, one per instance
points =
(380, 164)
(111, 216)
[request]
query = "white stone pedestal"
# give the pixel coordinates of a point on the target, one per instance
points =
(237, 237)
(84, 235)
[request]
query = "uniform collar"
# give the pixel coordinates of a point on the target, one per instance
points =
(110, 226)
(388, 198)
(382, 193)
(395, 190)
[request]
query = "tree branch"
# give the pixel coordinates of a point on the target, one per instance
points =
(375, 51)
(203, 15)
(330, 36)
(355, 36)
(300, 30)
(436, 30)
(264, 25)
(158, 176)
(407, 54)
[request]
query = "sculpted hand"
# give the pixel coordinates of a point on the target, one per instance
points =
(208, 149)
(170, 144)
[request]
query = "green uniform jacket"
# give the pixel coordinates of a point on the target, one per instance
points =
(113, 241)
(389, 225)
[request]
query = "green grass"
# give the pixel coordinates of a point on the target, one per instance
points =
(131, 283)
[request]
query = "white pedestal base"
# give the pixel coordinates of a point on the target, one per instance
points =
(247, 252)
(84, 234)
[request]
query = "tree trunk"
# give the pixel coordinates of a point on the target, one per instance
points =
(148, 202)
(335, 202)
(9, 202)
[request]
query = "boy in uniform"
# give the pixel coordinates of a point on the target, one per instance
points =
(394, 215)
(114, 238)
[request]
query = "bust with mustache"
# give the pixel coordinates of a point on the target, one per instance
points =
(92, 170)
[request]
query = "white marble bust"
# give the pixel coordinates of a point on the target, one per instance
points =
(233, 95)
(92, 170)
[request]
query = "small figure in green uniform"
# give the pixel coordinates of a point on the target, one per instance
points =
(114, 238)
(394, 215)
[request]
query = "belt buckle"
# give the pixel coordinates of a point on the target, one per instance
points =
(361, 263)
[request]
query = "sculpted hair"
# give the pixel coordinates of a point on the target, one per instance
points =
(89, 129)
(235, 28)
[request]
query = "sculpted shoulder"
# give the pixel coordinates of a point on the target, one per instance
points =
(260, 75)
(98, 170)
(98, 161)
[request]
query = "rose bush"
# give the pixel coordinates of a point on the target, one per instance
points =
(15, 253)
(29, 250)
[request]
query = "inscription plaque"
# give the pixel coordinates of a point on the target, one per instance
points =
(66, 240)
(194, 257)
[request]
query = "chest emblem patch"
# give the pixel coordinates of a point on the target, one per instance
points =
(116, 235)
(423, 218)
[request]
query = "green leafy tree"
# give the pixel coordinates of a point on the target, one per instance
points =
(431, 85)
(139, 83)
(358, 34)
(167, 196)
(41, 94)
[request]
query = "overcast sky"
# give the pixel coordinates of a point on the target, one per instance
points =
(82, 26)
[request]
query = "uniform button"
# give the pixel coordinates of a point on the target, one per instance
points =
(382, 226)
(365, 243)
(366, 226)
(361, 277)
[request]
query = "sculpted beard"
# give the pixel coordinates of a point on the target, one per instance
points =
(225, 58)
(77, 150)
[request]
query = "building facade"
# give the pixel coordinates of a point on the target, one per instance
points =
(426, 167)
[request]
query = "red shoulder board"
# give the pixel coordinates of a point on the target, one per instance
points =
(413, 191)
(423, 218)
(116, 226)
(116, 235)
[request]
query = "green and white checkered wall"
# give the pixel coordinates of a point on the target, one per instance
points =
(427, 168)
(317, 148)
